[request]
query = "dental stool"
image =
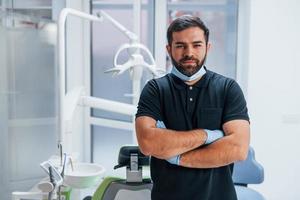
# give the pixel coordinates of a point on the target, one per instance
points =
(134, 187)
(247, 172)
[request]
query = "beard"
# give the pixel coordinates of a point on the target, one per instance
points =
(184, 69)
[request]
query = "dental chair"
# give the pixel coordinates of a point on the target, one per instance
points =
(134, 187)
(247, 172)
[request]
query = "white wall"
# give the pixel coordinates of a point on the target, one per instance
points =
(274, 94)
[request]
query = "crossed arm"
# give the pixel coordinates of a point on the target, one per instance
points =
(165, 143)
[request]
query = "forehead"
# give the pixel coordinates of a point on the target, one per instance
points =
(189, 35)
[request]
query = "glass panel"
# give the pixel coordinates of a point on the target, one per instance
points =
(31, 62)
(111, 1)
(115, 2)
(221, 18)
(32, 3)
(212, 2)
(106, 145)
(28, 94)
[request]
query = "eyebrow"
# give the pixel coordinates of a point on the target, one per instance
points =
(195, 42)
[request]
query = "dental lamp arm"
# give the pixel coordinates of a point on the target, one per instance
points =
(133, 37)
(109, 105)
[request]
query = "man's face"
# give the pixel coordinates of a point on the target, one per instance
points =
(188, 50)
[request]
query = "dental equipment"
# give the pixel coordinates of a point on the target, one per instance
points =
(55, 178)
(54, 175)
(28, 195)
(62, 70)
(133, 37)
(136, 58)
(134, 186)
(48, 188)
(69, 101)
(77, 97)
(64, 166)
(50, 195)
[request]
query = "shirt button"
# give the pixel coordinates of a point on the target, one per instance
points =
(191, 87)
(191, 99)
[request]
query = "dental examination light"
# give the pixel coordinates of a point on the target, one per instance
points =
(133, 48)
(136, 59)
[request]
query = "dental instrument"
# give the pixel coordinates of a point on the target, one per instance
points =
(49, 188)
(51, 170)
(50, 195)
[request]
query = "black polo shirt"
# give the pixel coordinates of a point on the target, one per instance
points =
(208, 104)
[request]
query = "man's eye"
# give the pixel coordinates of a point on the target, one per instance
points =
(179, 46)
(197, 45)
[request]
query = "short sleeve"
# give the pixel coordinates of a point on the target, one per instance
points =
(149, 103)
(235, 104)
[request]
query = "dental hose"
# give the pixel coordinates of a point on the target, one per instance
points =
(62, 175)
(50, 195)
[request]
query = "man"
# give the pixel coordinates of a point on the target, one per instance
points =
(192, 122)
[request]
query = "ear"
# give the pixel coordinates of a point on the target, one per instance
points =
(168, 47)
(208, 47)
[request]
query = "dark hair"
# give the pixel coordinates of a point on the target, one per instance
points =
(184, 22)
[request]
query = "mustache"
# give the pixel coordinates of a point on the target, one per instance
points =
(188, 58)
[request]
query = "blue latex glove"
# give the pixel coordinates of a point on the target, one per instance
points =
(213, 135)
(160, 124)
(174, 160)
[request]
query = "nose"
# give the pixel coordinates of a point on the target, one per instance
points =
(188, 51)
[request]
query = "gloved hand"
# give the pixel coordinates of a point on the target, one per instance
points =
(175, 159)
(160, 124)
(213, 135)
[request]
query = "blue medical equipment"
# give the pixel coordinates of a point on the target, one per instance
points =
(247, 172)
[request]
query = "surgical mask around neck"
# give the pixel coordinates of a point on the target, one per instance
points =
(183, 77)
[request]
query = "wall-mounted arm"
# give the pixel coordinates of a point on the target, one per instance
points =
(133, 37)
(76, 97)
(71, 101)
(62, 64)
(109, 105)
